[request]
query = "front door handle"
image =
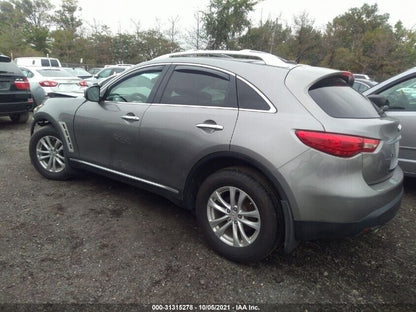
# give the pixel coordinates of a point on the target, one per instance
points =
(130, 117)
(207, 126)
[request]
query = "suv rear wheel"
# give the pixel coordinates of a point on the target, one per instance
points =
(238, 215)
(47, 154)
(19, 118)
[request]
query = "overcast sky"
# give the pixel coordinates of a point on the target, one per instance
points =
(119, 14)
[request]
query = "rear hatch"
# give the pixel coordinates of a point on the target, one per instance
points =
(14, 87)
(342, 110)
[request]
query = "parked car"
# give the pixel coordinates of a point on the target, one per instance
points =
(37, 62)
(361, 76)
(95, 70)
(400, 94)
(363, 84)
(15, 98)
(53, 79)
(266, 153)
(78, 72)
(106, 73)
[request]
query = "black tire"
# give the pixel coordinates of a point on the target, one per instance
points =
(258, 207)
(48, 155)
(19, 118)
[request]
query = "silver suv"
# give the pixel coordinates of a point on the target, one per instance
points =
(265, 152)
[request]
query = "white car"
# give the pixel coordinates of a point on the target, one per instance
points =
(106, 72)
(54, 79)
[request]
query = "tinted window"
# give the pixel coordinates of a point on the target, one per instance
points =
(44, 62)
(198, 87)
(402, 96)
(9, 68)
(136, 88)
(343, 102)
(248, 98)
(54, 63)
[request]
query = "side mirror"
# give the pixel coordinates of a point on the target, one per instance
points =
(380, 101)
(92, 94)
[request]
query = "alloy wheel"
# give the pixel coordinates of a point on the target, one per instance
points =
(233, 216)
(50, 154)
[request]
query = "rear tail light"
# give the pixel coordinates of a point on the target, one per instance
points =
(22, 84)
(48, 83)
(83, 83)
(340, 145)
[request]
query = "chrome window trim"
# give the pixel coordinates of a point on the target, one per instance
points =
(204, 66)
(272, 109)
(125, 175)
(196, 106)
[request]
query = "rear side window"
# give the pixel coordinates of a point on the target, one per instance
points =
(248, 98)
(194, 86)
(339, 100)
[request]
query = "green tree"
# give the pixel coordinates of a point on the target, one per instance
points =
(12, 38)
(305, 43)
(65, 38)
(271, 36)
(153, 43)
(225, 21)
(366, 39)
(98, 48)
(37, 26)
(65, 17)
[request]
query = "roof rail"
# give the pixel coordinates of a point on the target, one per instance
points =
(242, 55)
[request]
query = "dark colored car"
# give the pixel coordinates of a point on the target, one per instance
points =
(15, 97)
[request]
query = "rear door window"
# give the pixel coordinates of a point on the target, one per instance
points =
(339, 100)
(189, 85)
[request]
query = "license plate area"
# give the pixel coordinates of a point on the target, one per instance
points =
(4, 85)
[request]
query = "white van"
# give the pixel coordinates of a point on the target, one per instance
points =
(37, 61)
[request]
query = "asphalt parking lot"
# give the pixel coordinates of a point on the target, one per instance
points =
(92, 240)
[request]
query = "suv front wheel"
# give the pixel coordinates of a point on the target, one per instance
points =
(47, 154)
(239, 215)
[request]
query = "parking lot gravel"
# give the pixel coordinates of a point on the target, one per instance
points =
(92, 240)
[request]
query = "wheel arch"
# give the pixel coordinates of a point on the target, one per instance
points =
(42, 119)
(217, 161)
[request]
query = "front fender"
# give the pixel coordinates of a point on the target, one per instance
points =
(60, 113)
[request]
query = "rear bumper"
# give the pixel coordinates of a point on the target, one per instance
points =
(14, 108)
(309, 230)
